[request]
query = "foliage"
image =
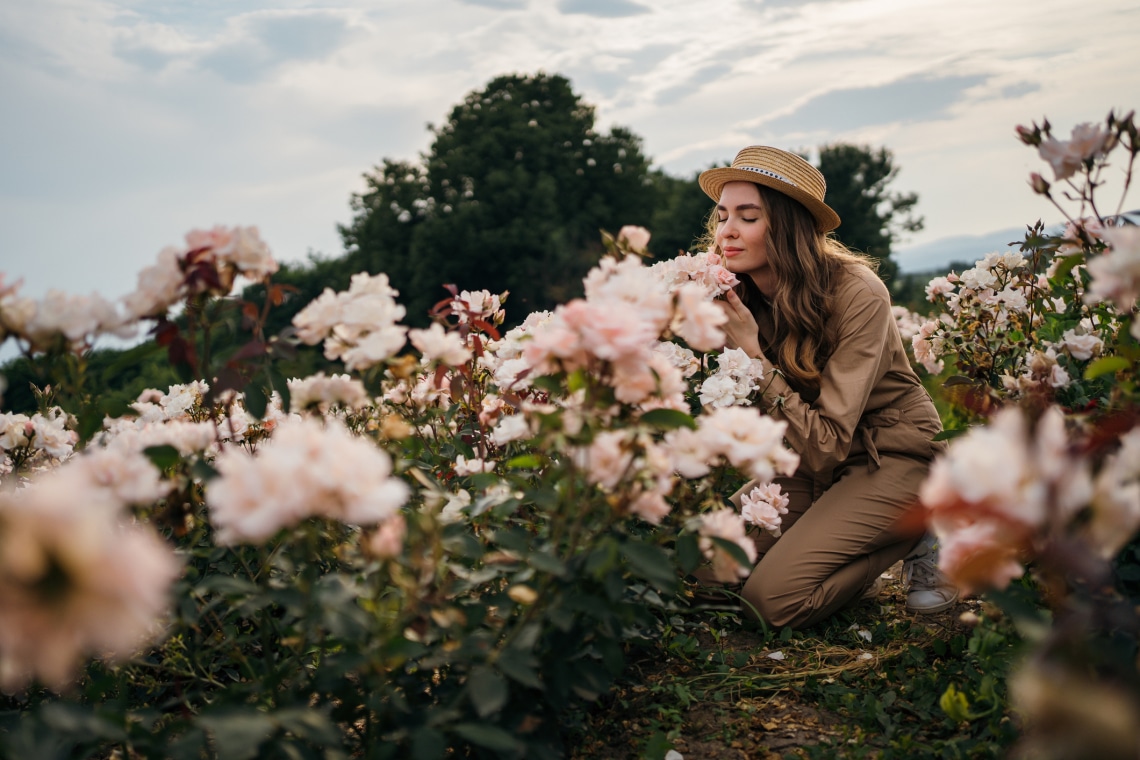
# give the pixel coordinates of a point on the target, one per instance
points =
(468, 620)
(446, 551)
(1044, 346)
(510, 196)
(872, 216)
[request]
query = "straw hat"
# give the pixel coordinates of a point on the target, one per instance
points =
(782, 171)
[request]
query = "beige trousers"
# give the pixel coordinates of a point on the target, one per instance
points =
(833, 548)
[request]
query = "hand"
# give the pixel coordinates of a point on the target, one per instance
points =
(741, 330)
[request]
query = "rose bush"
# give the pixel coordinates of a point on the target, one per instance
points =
(1043, 355)
(440, 550)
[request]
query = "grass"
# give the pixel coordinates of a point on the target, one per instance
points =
(871, 683)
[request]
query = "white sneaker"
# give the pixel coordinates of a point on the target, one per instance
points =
(928, 590)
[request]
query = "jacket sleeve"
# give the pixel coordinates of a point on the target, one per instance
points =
(821, 432)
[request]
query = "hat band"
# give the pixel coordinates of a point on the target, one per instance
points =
(767, 173)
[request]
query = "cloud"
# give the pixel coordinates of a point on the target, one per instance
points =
(504, 5)
(703, 76)
(603, 8)
(1018, 89)
(264, 41)
(908, 100)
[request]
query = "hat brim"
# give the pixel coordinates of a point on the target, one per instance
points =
(712, 181)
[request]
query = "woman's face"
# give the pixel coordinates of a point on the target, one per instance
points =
(742, 232)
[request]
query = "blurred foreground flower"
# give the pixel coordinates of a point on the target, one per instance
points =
(75, 580)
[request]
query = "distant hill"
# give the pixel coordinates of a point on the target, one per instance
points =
(938, 254)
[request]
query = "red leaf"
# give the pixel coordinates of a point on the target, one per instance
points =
(181, 351)
(250, 350)
(165, 332)
(486, 327)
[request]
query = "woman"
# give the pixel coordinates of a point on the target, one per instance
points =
(837, 373)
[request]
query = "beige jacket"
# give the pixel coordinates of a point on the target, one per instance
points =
(870, 400)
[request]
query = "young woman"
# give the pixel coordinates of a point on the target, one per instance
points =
(837, 373)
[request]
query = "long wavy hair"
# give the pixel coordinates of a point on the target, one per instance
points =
(807, 264)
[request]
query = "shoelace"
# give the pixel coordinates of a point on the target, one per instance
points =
(921, 573)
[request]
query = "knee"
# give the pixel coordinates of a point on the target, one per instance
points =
(775, 603)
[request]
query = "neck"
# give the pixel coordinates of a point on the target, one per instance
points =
(765, 281)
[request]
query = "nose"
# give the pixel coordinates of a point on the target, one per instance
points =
(727, 229)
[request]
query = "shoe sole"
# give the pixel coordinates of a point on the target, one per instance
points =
(933, 610)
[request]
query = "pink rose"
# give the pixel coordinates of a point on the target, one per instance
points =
(636, 238)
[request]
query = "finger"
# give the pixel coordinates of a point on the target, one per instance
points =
(737, 305)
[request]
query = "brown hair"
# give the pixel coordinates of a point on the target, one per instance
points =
(807, 264)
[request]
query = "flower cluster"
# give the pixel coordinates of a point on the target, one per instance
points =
(207, 264)
(306, 469)
(321, 393)
(740, 436)
(612, 331)
(734, 381)
(1115, 274)
(358, 326)
(76, 320)
(1017, 331)
(987, 508)
(632, 466)
(36, 442)
(764, 506)
(704, 269)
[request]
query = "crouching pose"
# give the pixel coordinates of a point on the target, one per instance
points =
(836, 371)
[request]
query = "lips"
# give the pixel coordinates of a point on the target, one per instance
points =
(730, 252)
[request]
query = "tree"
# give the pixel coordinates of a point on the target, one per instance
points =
(510, 196)
(680, 212)
(873, 217)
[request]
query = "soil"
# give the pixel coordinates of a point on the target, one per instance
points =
(745, 723)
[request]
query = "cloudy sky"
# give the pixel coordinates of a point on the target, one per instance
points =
(128, 122)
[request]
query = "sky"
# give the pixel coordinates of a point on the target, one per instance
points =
(126, 123)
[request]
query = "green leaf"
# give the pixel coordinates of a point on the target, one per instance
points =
(490, 737)
(89, 421)
(525, 460)
(651, 563)
(734, 550)
(1106, 365)
(237, 735)
(1065, 265)
(487, 690)
(953, 380)
(548, 383)
(657, 747)
(519, 666)
(668, 419)
(688, 552)
(428, 744)
(80, 722)
(256, 400)
(281, 385)
(947, 435)
(163, 457)
(203, 470)
(548, 563)
(955, 704)
(577, 380)
(308, 724)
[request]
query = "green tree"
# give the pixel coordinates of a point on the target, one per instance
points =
(680, 212)
(873, 217)
(510, 196)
